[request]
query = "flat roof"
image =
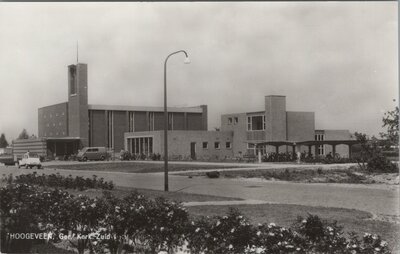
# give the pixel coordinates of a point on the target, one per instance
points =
(308, 142)
(196, 109)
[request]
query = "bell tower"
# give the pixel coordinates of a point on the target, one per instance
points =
(78, 112)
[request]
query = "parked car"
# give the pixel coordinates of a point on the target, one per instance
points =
(30, 160)
(92, 153)
(7, 159)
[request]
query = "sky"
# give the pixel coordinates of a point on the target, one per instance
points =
(337, 59)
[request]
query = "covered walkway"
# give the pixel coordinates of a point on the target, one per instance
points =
(296, 146)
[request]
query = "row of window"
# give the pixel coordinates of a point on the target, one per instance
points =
(217, 145)
(56, 114)
(254, 123)
(57, 134)
(233, 120)
(48, 124)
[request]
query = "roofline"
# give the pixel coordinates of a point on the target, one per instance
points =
(196, 109)
(57, 104)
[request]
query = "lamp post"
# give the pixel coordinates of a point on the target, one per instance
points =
(166, 116)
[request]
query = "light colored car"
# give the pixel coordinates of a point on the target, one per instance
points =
(30, 160)
(92, 153)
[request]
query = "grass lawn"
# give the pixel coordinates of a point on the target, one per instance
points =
(137, 167)
(285, 215)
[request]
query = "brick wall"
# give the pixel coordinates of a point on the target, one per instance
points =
(78, 102)
(300, 126)
(179, 143)
(53, 120)
(98, 128)
(275, 112)
(119, 130)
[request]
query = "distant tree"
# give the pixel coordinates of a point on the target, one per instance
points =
(3, 141)
(23, 135)
(391, 122)
(371, 158)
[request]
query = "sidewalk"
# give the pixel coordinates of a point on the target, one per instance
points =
(227, 202)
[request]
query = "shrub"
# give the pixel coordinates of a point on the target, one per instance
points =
(379, 163)
(213, 174)
(136, 224)
(166, 225)
(222, 234)
(57, 180)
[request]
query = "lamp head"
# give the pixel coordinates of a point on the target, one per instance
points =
(187, 60)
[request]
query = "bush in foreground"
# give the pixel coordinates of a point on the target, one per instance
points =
(137, 224)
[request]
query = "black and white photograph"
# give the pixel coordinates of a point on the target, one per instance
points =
(199, 127)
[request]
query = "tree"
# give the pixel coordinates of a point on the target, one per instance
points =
(3, 141)
(23, 135)
(371, 158)
(391, 122)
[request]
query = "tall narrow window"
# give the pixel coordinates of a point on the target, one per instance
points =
(170, 121)
(72, 80)
(249, 123)
(264, 125)
(110, 129)
(320, 148)
(131, 121)
(151, 121)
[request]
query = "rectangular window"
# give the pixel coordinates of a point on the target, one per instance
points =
(228, 145)
(151, 121)
(229, 120)
(250, 146)
(256, 123)
(217, 145)
(235, 120)
(264, 125)
(141, 145)
(72, 80)
(205, 145)
(131, 121)
(170, 121)
(110, 129)
(320, 148)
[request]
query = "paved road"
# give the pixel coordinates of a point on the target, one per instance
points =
(378, 199)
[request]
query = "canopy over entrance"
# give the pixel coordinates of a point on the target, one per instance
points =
(62, 146)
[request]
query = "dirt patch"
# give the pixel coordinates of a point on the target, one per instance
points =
(319, 175)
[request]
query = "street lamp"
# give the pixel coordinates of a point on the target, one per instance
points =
(187, 61)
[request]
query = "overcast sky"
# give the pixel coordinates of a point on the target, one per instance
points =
(339, 60)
